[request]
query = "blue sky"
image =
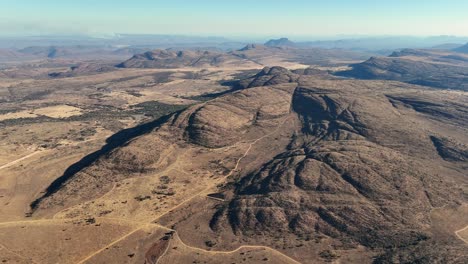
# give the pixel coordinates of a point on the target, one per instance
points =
(235, 18)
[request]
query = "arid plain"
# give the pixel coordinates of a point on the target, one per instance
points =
(260, 155)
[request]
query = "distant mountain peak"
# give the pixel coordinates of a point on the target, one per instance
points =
(281, 42)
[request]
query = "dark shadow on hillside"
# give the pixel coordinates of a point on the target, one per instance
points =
(120, 139)
(117, 140)
(233, 85)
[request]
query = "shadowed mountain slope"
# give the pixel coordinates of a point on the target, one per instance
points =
(410, 71)
(314, 167)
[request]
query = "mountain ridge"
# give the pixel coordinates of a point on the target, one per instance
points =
(332, 164)
(400, 68)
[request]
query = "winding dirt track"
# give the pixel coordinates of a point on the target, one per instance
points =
(141, 225)
(11, 163)
(203, 192)
(237, 249)
(460, 237)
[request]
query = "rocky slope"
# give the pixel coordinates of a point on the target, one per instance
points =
(278, 75)
(325, 168)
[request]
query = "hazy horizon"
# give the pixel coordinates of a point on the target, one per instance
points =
(240, 38)
(235, 19)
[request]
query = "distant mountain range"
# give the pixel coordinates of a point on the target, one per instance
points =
(382, 45)
(438, 69)
(81, 52)
(154, 41)
(275, 53)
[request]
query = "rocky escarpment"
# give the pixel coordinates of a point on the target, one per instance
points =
(410, 71)
(269, 76)
(339, 177)
(227, 120)
(277, 75)
(164, 59)
(355, 189)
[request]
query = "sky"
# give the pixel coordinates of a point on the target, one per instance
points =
(299, 18)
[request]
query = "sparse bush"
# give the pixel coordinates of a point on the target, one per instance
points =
(90, 220)
(165, 179)
(168, 192)
(328, 255)
(210, 243)
(142, 198)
